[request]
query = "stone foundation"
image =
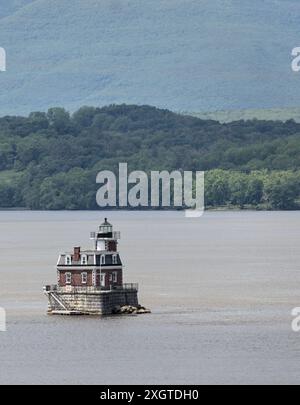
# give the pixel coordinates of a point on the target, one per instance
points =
(91, 303)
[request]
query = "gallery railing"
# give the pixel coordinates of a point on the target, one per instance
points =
(90, 289)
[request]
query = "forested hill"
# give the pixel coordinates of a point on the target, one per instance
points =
(50, 160)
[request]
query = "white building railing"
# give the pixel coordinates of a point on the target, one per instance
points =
(90, 289)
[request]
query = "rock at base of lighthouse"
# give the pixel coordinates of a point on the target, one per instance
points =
(130, 309)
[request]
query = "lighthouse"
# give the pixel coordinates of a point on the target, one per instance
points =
(105, 238)
(110, 271)
(91, 281)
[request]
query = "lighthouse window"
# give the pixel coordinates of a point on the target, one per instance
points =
(68, 260)
(114, 259)
(84, 278)
(68, 278)
(102, 259)
(84, 259)
(105, 229)
(102, 279)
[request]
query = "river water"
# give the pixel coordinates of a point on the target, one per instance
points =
(221, 289)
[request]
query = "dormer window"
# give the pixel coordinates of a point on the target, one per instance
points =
(68, 260)
(102, 259)
(114, 259)
(84, 260)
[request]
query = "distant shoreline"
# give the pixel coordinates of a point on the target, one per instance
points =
(211, 209)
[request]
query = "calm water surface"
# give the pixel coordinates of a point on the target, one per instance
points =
(221, 289)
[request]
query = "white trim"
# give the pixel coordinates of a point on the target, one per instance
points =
(84, 259)
(102, 279)
(114, 258)
(84, 277)
(58, 261)
(90, 267)
(102, 260)
(68, 277)
(68, 260)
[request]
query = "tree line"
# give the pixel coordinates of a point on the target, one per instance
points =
(50, 160)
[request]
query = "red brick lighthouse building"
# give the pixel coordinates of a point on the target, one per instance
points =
(91, 281)
(99, 267)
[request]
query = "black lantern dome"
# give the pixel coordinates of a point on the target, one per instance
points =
(105, 229)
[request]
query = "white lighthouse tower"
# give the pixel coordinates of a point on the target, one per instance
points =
(105, 239)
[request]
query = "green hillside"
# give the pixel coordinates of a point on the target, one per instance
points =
(50, 160)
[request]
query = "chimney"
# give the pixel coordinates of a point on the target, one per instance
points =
(76, 254)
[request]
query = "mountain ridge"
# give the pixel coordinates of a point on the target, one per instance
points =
(227, 116)
(176, 54)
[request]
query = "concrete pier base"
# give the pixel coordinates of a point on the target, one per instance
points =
(89, 302)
